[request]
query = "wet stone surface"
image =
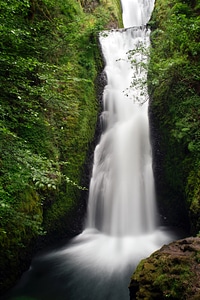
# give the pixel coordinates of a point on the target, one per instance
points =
(172, 272)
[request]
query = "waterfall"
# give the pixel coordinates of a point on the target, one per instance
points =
(136, 12)
(121, 226)
(122, 198)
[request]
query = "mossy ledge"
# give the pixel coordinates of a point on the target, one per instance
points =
(173, 272)
(49, 60)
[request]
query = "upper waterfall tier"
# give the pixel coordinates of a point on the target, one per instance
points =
(136, 12)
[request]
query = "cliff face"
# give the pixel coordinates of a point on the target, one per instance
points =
(173, 80)
(173, 272)
(49, 63)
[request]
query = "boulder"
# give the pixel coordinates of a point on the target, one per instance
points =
(173, 272)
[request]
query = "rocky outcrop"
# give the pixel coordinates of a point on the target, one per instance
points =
(173, 272)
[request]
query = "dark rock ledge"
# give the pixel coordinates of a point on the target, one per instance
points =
(173, 272)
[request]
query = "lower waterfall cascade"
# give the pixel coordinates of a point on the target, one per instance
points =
(121, 226)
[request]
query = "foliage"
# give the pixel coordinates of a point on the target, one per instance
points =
(173, 80)
(138, 58)
(49, 60)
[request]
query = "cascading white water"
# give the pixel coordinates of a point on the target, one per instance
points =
(121, 226)
(122, 198)
(136, 12)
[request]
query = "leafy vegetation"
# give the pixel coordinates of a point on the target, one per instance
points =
(49, 60)
(173, 78)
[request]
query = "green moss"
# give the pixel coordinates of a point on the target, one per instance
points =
(49, 62)
(114, 6)
(162, 276)
(193, 198)
(20, 225)
(173, 81)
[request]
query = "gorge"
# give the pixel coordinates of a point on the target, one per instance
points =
(121, 226)
(49, 62)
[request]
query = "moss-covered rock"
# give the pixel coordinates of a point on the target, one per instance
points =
(173, 272)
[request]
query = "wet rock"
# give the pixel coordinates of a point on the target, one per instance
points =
(173, 272)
